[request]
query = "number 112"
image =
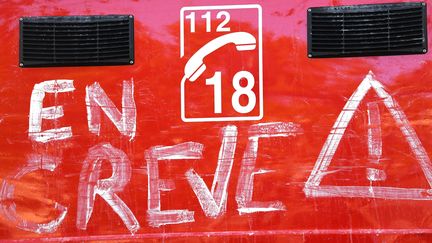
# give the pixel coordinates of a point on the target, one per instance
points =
(224, 15)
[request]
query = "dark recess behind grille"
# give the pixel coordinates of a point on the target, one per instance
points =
(76, 41)
(367, 30)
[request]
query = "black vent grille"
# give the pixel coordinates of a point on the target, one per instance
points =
(76, 41)
(367, 30)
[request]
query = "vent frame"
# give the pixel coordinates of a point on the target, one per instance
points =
(366, 9)
(125, 22)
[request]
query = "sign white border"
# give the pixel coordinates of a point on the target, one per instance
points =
(260, 64)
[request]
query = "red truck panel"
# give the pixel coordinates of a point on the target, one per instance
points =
(332, 149)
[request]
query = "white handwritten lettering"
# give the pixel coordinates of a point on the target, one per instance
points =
(34, 162)
(90, 185)
(214, 203)
(97, 101)
(155, 216)
(38, 112)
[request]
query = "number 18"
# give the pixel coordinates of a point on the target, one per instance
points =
(216, 81)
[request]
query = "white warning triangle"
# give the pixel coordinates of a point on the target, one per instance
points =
(314, 189)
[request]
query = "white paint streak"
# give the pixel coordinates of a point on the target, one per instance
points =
(255, 207)
(374, 142)
(244, 191)
(374, 192)
(374, 132)
(262, 171)
(52, 112)
(166, 185)
(406, 129)
(8, 207)
(376, 174)
(54, 134)
(155, 216)
(38, 112)
(98, 101)
(275, 129)
(312, 186)
(90, 185)
(338, 130)
(213, 202)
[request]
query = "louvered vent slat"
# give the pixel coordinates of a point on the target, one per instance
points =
(367, 30)
(76, 41)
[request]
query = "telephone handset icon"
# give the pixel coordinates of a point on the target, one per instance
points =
(195, 66)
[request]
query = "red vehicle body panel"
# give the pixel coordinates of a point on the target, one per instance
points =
(305, 93)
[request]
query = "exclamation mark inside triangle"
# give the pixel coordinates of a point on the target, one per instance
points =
(313, 187)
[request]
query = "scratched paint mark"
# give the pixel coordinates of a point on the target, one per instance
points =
(90, 185)
(166, 185)
(187, 235)
(244, 191)
(313, 188)
(98, 101)
(38, 112)
(155, 216)
(8, 207)
(376, 174)
(374, 132)
(213, 202)
(374, 142)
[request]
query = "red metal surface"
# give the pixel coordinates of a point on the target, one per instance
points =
(307, 92)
